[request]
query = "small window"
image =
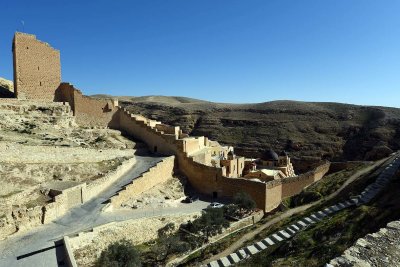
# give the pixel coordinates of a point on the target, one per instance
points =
(27, 47)
(38, 68)
(40, 83)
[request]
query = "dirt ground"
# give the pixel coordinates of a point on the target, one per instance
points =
(41, 143)
(137, 231)
(167, 194)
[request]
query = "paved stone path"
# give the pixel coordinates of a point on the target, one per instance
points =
(280, 236)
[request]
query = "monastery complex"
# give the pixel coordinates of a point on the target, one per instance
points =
(211, 168)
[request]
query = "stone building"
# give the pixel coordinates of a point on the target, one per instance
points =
(234, 165)
(271, 166)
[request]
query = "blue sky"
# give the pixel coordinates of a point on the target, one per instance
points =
(224, 51)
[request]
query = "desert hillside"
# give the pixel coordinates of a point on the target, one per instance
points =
(326, 130)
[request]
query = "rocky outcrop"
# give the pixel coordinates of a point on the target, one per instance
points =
(377, 249)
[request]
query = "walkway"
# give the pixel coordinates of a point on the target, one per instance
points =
(369, 193)
(41, 247)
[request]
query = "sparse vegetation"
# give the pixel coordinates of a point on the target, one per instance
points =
(244, 201)
(191, 235)
(119, 254)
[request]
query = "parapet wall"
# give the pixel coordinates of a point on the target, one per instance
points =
(88, 111)
(157, 174)
(157, 142)
(37, 68)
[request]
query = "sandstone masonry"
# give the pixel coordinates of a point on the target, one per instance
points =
(37, 69)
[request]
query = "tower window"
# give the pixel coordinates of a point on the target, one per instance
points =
(38, 68)
(40, 83)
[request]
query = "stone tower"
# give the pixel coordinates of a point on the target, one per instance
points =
(37, 68)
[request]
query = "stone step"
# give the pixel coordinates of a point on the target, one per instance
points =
(225, 262)
(315, 217)
(260, 245)
(242, 254)
(290, 231)
(251, 250)
(301, 224)
(234, 258)
(269, 241)
(308, 220)
(213, 264)
(277, 237)
(295, 227)
(284, 234)
(322, 214)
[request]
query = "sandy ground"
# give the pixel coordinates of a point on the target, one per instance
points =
(167, 194)
(137, 231)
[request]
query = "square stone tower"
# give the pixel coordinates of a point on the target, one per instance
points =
(37, 68)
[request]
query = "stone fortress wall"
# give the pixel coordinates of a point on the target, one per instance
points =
(37, 69)
(88, 111)
(157, 174)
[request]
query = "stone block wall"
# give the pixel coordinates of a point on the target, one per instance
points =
(88, 111)
(63, 202)
(157, 174)
(157, 142)
(95, 188)
(37, 68)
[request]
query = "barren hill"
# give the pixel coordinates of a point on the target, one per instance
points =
(326, 130)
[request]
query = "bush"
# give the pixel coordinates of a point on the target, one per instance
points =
(119, 254)
(166, 230)
(244, 201)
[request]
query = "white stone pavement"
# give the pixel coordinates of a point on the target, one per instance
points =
(367, 195)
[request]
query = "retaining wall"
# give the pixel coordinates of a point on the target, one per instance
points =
(98, 186)
(20, 219)
(157, 174)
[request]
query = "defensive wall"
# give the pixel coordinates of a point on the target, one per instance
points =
(88, 111)
(37, 68)
(208, 179)
(278, 190)
(157, 174)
